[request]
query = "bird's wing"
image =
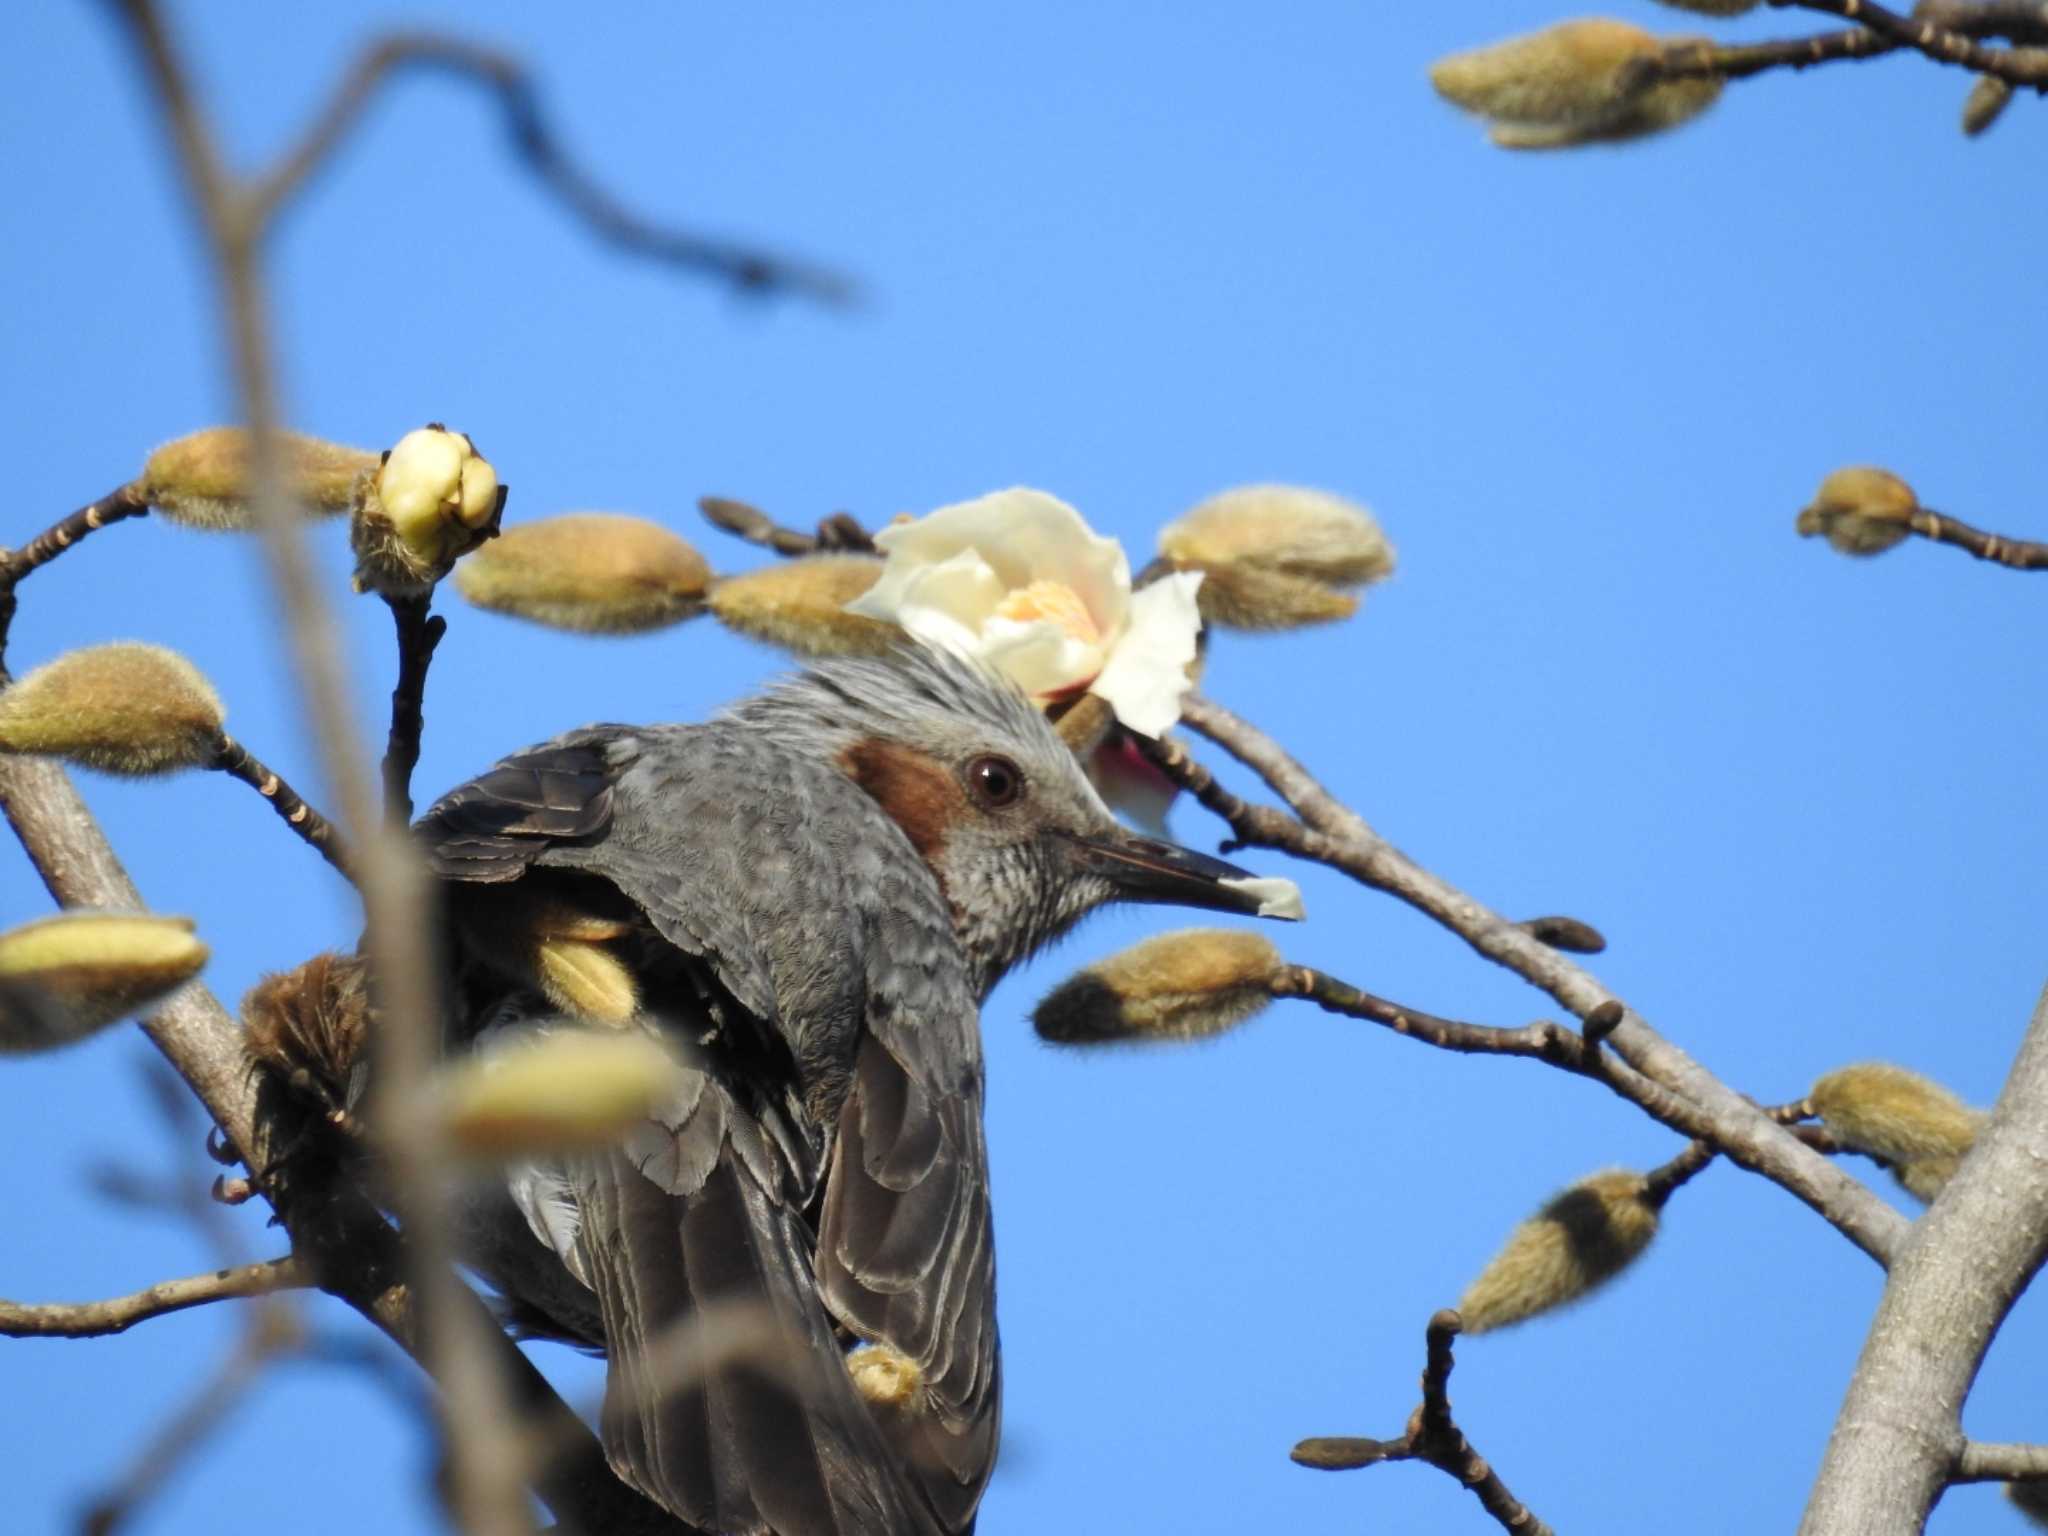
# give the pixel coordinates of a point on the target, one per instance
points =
(705, 1207)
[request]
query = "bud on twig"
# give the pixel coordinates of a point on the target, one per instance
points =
(206, 480)
(1861, 510)
(1987, 99)
(64, 977)
(1579, 1241)
(124, 708)
(800, 605)
(1664, 105)
(886, 1377)
(434, 500)
(1275, 555)
(1579, 82)
(593, 572)
(1908, 1121)
(560, 1091)
(1178, 986)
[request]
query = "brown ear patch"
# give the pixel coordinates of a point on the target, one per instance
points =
(917, 791)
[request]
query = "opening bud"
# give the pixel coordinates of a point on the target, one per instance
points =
(206, 480)
(434, 500)
(800, 605)
(1861, 510)
(1911, 1123)
(1580, 1240)
(560, 1090)
(1178, 986)
(592, 572)
(125, 708)
(64, 977)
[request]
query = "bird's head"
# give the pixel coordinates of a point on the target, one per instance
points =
(994, 802)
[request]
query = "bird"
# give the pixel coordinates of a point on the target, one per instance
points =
(808, 898)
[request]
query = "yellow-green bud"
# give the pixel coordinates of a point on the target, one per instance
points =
(63, 977)
(1908, 1121)
(1664, 105)
(205, 480)
(564, 1090)
(1288, 529)
(1178, 986)
(886, 1377)
(594, 572)
(584, 978)
(1575, 72)
(125, 708)
(800, 605)
(1583, 1238)
(434, 500)
(1245, 597)
(1861, 510)
(1987, 99)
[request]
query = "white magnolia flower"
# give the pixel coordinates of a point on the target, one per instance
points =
(1019, 580)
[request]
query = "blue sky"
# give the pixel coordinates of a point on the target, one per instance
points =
(1135, 254)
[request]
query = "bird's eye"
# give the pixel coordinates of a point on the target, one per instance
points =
(995, 781)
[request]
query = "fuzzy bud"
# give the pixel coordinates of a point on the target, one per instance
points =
(558, 1091)
(125, 708)
(311, 1026)
(1907, 1121)
(1178, 986)
(885, 1377)
(1987, 100)
(1573, 73)
(1275, 556)
(64, 977)
(1662, 106)
(594, 572)
(434, 500)
(205, 480)
(1861, 510)
(1583, 1238)
(800, 605)
(582, 977)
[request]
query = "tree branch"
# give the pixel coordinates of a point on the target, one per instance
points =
(237, 762)
(91, 1319)
(840, 533)
(418, 636)
(1328, 832)
(1937, 42)
(1984, 1461)
(17, 564)
(2016, 554)
(1898, 1440)
(1433, 1437)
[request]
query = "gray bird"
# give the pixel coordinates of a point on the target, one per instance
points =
(809, 897)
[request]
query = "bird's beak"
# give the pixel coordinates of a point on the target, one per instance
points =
(1144, 869)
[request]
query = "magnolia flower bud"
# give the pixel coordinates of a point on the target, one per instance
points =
(311, 1026)
(1274, 555)
(1987, 99)
(433, 501)
(125, 708)
(1576, 72)
(1244, 597)
(63, 977)
(1661, 106)
(800, 605)
(205, 480)
(582, 977)
(596, 572)
(1579, 1241)
(1861, 510)
(1908, 1121)
(886, 1377)
(1178, 986)
(558, 1091)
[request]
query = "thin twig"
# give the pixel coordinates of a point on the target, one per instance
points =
(1936, 42)
(1986, 1461)
(841, 533)
(1738, 61)
(1326, 831)
(2015, 554)
(534, 143)
(91, 1319)
(237, 762)
(17, 564)
(418, 635)
(1432, 1437)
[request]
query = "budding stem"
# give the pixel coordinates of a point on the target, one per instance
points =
(235, 760)
(46, 546)
(418, 635)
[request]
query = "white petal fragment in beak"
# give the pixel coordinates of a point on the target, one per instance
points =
(1277, 897)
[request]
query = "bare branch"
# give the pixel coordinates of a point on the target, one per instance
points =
(534, 143)
(1985, 1461)
(237, 762)
(1433, 1437)
(90, 1319)
(418, 635)
(840, 533)
(1331, 833)
(1738, 61)
(1935, 41)
(16, 564)
(2016, 554)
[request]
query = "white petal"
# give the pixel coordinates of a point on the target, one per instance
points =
(943, 605)
(1038, 655)
(1146, 675)
(1277, 897)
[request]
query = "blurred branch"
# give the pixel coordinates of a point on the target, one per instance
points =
(1432, 1436)
(418, 635)
(534, 143)
(90, 1319)
(1938, 41)
(1328, 832)
(841, 533)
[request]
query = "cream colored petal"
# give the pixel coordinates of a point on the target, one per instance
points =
(1038, 655)
(1146, 674)
(942, 604)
